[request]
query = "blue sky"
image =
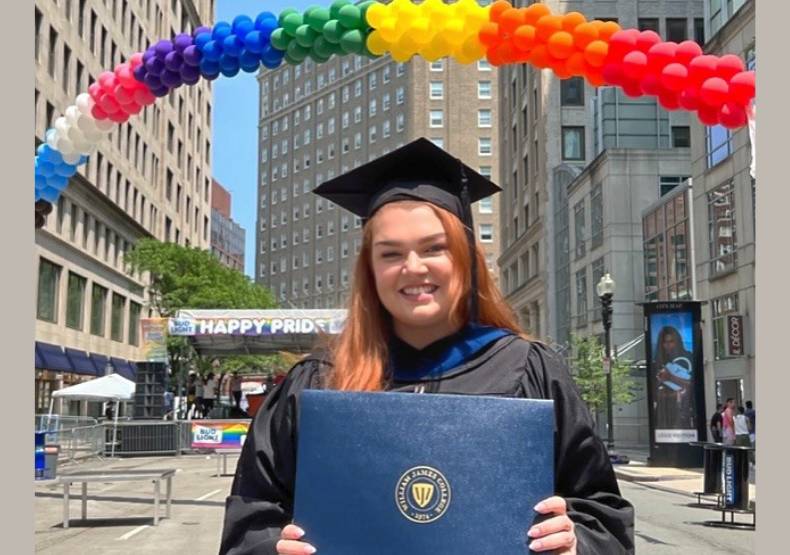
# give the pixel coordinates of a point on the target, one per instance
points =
(235, 126)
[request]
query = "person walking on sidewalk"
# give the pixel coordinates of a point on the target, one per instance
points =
(751, 416)
(728, 422)
(715, 424)
(742, 428)
(209, 394)
(235, 389)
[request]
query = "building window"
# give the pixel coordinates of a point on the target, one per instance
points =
(400, 95)
(581, 297)
(718, 144)
(681, 136)
(722, 307)
(98, 309)
(721, 229)
(438, 65)
(648, 24)
(484, 118)
(436, 118)
(485, 171)
(484, 90)
(75, 301)
(572, 92)
(677, 29)
(483, 65)
(596, 217)
(573, 143)
(437, 90)
(486, 233)
(134, 323)
(486, 206)
(48, 287)
(579, 230)
(666, 183)
(699, 30)
(484, 146)
(438, 141)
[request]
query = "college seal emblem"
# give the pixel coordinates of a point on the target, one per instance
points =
(422, 494)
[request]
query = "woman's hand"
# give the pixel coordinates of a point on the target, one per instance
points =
(289, 543)
(556, 533)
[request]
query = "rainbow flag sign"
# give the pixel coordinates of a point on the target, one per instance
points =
(219, 434)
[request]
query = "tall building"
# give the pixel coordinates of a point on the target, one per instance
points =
(227, 236)
(548, 134)
(723, 192)
(319, 121)
(149, 178)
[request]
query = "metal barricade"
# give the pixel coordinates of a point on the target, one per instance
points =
(77, 442)
(145, 437)
(56, 422)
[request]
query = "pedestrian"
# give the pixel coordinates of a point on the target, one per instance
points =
(715, 424)
(422, 291)
(728, 422)
(235, 389)
(751, 415)
(167, 402)
(200, 389)
(741, 425)
(191, 395)
(209, 394)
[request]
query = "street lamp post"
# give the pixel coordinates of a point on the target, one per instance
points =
(605, 289)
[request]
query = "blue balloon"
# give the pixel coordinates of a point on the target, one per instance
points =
(211, 76)
(44, 168)
(209, 67)
(255, 42)
(267, 27)
(265, 19)
(53, 156)
(271, 57)
(212, 51)
(248, 58)
(230, 72)
(83, 159)
(242, 25)
(42, 148)
(232, 46)
(57, 182)
(271, 64)
(65, 170)
(201, 39)
(49, 194)
(221, 30)
(41, 182)
(228, 64)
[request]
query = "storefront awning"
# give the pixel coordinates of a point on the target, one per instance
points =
(123, 368)
(99, 363)
(39, 362)
(80, 361)
(53, 357)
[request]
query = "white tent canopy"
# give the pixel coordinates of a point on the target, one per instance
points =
(112, 387)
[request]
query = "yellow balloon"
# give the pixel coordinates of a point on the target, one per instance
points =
(376, 44)
(454, 31)
(376, 14)
(431, 53)
(473, 48)
(389, 29)
(420, 31)
(406, 44)
(399, 55)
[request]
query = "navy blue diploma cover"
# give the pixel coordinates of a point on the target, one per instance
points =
(403, 473)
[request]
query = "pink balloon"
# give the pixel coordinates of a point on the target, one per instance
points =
(123, 95)
(94, 89)
(674, 77)
(108, 104)
(98, 113)
(660, 55)
(714, 92)
(732, 115)
(107, 81)
(646, 40)
(125, 76)
(135, 60)
(133, 108)
(119, 117)
(635, 64)
(144, 97)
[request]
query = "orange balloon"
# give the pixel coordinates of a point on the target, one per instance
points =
(509, 20)
(607, 29)
(506, 52)
(534, 12)
(493, 57)
(571, 20)
(595, 78)
(524, 38)
(539, 57)
(560, 45)
(560, 69)
(575, 64)
(596, 52)
(547, 26)
(489, 34)
(584, 34)
(497, 8)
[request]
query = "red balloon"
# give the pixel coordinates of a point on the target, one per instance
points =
(650, 84)
(123, 95)
(742, 87)
(613, 74)
(135, 60)
(729, 65)
(689, 99)
(646, 40)
(98, 113)
(119, 117)
(632, 89)
(708, 116)
(635, 64)
(144, 97)
(621, 43)
(674, 77)
(108, 104)
(133, 108)
(668, 100)
(702, 68)
(107, 81)
(732, 116)
(714, 92)
(660, 55)
(687, 51)
(94, 89)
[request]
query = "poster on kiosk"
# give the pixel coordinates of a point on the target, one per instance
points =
(675, 379)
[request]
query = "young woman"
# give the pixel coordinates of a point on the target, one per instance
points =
(425, 316)
(673, 397)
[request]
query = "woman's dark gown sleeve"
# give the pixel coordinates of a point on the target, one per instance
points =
(261, 498)
(583, 473)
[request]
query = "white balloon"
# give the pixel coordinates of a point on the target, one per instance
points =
(65, 146)
(62, 126)
(93, 135)
(51, 137)
(84, 103)
(72, 114)
(72, 158)
(75, 135)
(86, 123)
(105, 124)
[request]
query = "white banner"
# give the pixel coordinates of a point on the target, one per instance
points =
(675, 436)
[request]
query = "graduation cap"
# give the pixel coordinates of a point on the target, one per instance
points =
(420, 171)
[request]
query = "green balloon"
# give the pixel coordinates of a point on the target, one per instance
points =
(333, 30)
(291, 61)
(297, 51)
(350, 16)
(319, 59)
(317, 18)
(363, 8)
(305, 36)
(321, 47)
(335, 48)
(352, 41)
(285, 13)
(291, 23)
(368, 53)
(279, 39)
(334, 8)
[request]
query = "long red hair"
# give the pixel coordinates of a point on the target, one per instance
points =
(360, 352)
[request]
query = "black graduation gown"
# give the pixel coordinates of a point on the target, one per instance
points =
(261, 500)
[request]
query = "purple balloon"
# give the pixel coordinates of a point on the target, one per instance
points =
(189, 73)
(148, 54)
(192, 55)
(140, 73)
(160, 91)
(155, 66)
(182, 41)
(152, 81)
(171, 78)
(192, 79)
(163, 47)
(174, 60)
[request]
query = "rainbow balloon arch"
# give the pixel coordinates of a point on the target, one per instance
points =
(680, 76)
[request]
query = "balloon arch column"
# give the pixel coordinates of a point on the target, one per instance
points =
(680, 76)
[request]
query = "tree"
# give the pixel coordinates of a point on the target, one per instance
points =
(587, 368)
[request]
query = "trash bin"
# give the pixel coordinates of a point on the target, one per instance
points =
(40, 461)
(51, 453)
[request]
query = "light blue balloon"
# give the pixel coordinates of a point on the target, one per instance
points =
(58, 182)
(44, 168)
(41, 182)
(49, 194)
(65, 170)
